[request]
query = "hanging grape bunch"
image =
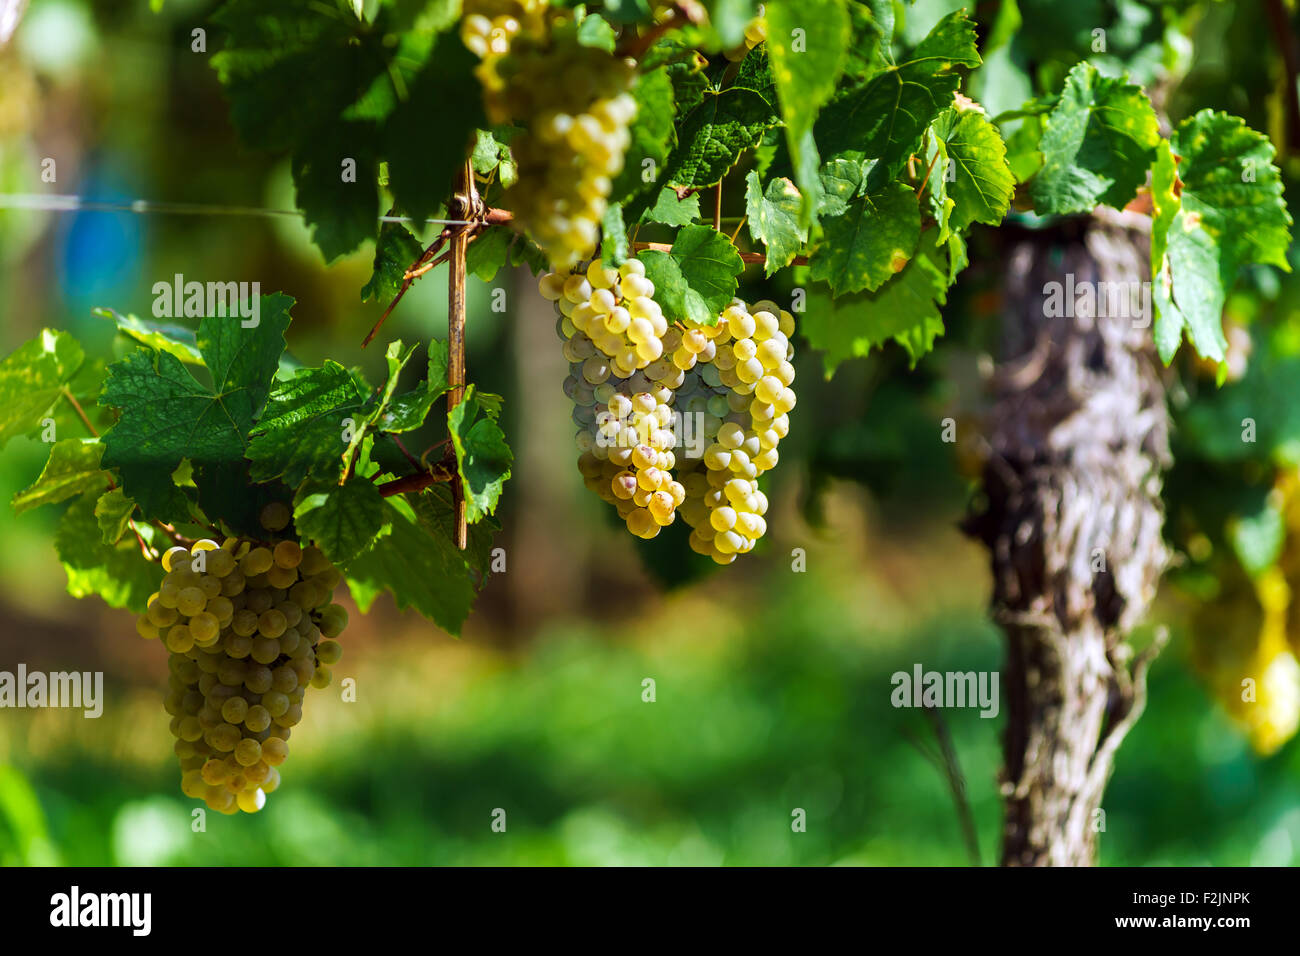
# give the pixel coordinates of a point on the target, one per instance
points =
(574, 104)
(249, 625)
(711, 401)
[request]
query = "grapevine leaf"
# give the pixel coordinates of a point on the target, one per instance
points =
(1230, 211)
(672, 211)
(164, 336)
(427, 138)
(981, 182)
(436, 510)
(439, 363)
(756, 74)
(613, 245)
(709, 263)
(652, 134)
(871, 242)
(595, 31)
(33, 377)
(397, 360)
(698, 277)
(113, 511)
(483, 460)
(335, 174)
(841, 183)
(408, 411)
(1097, 144)
(492, 152)
(167, 415)
(485, 256)
(72, 468)
(806, 71)
(774, 219)
(301, 432)
(343, 520)
(673, 293)
(395, 250)
(423, 570)
(884, 116)
(117, 573)
(713, 135)
(937, 201)
(288, 67)
(905, 309)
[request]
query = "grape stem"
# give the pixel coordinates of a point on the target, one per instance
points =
(443, 470)
(679, 15)
(747, 257)
(468, 205)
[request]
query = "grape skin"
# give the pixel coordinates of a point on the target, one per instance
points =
(734, 377)
(241, 658)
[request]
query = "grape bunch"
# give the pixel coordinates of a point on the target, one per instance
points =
(249, 625)
(488, 27)
(710, 401)
(574, 105)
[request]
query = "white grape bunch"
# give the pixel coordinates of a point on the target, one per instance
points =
(709, 401)
(574, 106)
(249, 626)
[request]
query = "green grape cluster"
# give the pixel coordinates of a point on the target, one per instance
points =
(249, 626)
(573, 102)
(713, 405)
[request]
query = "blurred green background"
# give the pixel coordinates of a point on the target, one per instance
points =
(772, 685)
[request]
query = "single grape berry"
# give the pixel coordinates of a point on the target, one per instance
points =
(275, 516)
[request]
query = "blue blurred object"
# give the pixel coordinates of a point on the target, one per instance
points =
(99, 253)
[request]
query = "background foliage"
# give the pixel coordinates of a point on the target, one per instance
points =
(773, 686)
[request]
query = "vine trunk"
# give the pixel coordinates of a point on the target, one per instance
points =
(1072, 520)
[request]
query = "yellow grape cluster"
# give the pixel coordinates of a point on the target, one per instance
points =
(609, 319)
(713, 405)
(487, 28)
(249, 627)
(574, 105)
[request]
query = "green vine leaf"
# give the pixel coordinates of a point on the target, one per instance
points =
(905, 309)
(871, 242)
(672, 211)
(483, 459)
(698, 277)
(715, 133)
(774, 219)
(168, 415)
(73, 468)
(163, 336)
(117, 573)
(806, 74)
(113, 511)
(884, 116)
(1218, 209)
(1097, 144)
(981, 182)
(301, 432)
(343, 520)
(421, 567)
(33, 377)
(395, 250)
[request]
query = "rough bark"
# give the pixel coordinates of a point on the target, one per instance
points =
(1072, 519)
